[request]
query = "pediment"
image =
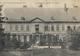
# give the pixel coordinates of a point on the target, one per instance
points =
(37, 19)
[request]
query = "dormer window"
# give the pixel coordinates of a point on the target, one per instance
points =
(22, 18)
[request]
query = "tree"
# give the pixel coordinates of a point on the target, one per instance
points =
(75, 40)
(14, 42)
(2, 42)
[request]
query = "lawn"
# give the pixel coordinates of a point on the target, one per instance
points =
(41, 52)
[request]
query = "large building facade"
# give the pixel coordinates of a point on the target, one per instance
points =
(36, 29)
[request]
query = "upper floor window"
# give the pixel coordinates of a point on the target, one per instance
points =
(27, 27)
(74, 27)
(52, 27)
(37, 25)
(22, 27)
(16, 27)
(57, 27)
(63, 27)
(0, 25)
(46, 28)
(11, 27)
(78, 28)
(37, 28)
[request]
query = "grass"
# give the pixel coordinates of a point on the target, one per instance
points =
(41, 52)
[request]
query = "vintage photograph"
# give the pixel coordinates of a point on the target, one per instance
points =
(40, 28)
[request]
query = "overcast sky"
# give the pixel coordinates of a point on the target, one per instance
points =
(33, 3)
(60, 13)
(43, 13)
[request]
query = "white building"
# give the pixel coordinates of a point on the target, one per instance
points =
(40, 24)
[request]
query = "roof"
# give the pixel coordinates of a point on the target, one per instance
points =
(46, 14)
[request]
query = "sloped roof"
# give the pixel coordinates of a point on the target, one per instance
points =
(57, 14)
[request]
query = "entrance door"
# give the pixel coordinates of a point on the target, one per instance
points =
(36, 39)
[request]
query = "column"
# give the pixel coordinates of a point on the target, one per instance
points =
(22, 38)
(19, 38)
(25, 39)
(28, 39)
(11, 37)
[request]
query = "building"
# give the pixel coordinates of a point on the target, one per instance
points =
(40, 24)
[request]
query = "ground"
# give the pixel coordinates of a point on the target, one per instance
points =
(41, 52)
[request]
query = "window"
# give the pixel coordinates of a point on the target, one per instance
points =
(46, 28)
(78, 28)
(57, 27)
(0, 25)
(74, 28)
(52, 27)
(37, 28)
(16, 27)
(63, 27)
(10, 27)
(27, 27)
(22, 27)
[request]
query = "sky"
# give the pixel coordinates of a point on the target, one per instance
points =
(35, 3)
(43, 13)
